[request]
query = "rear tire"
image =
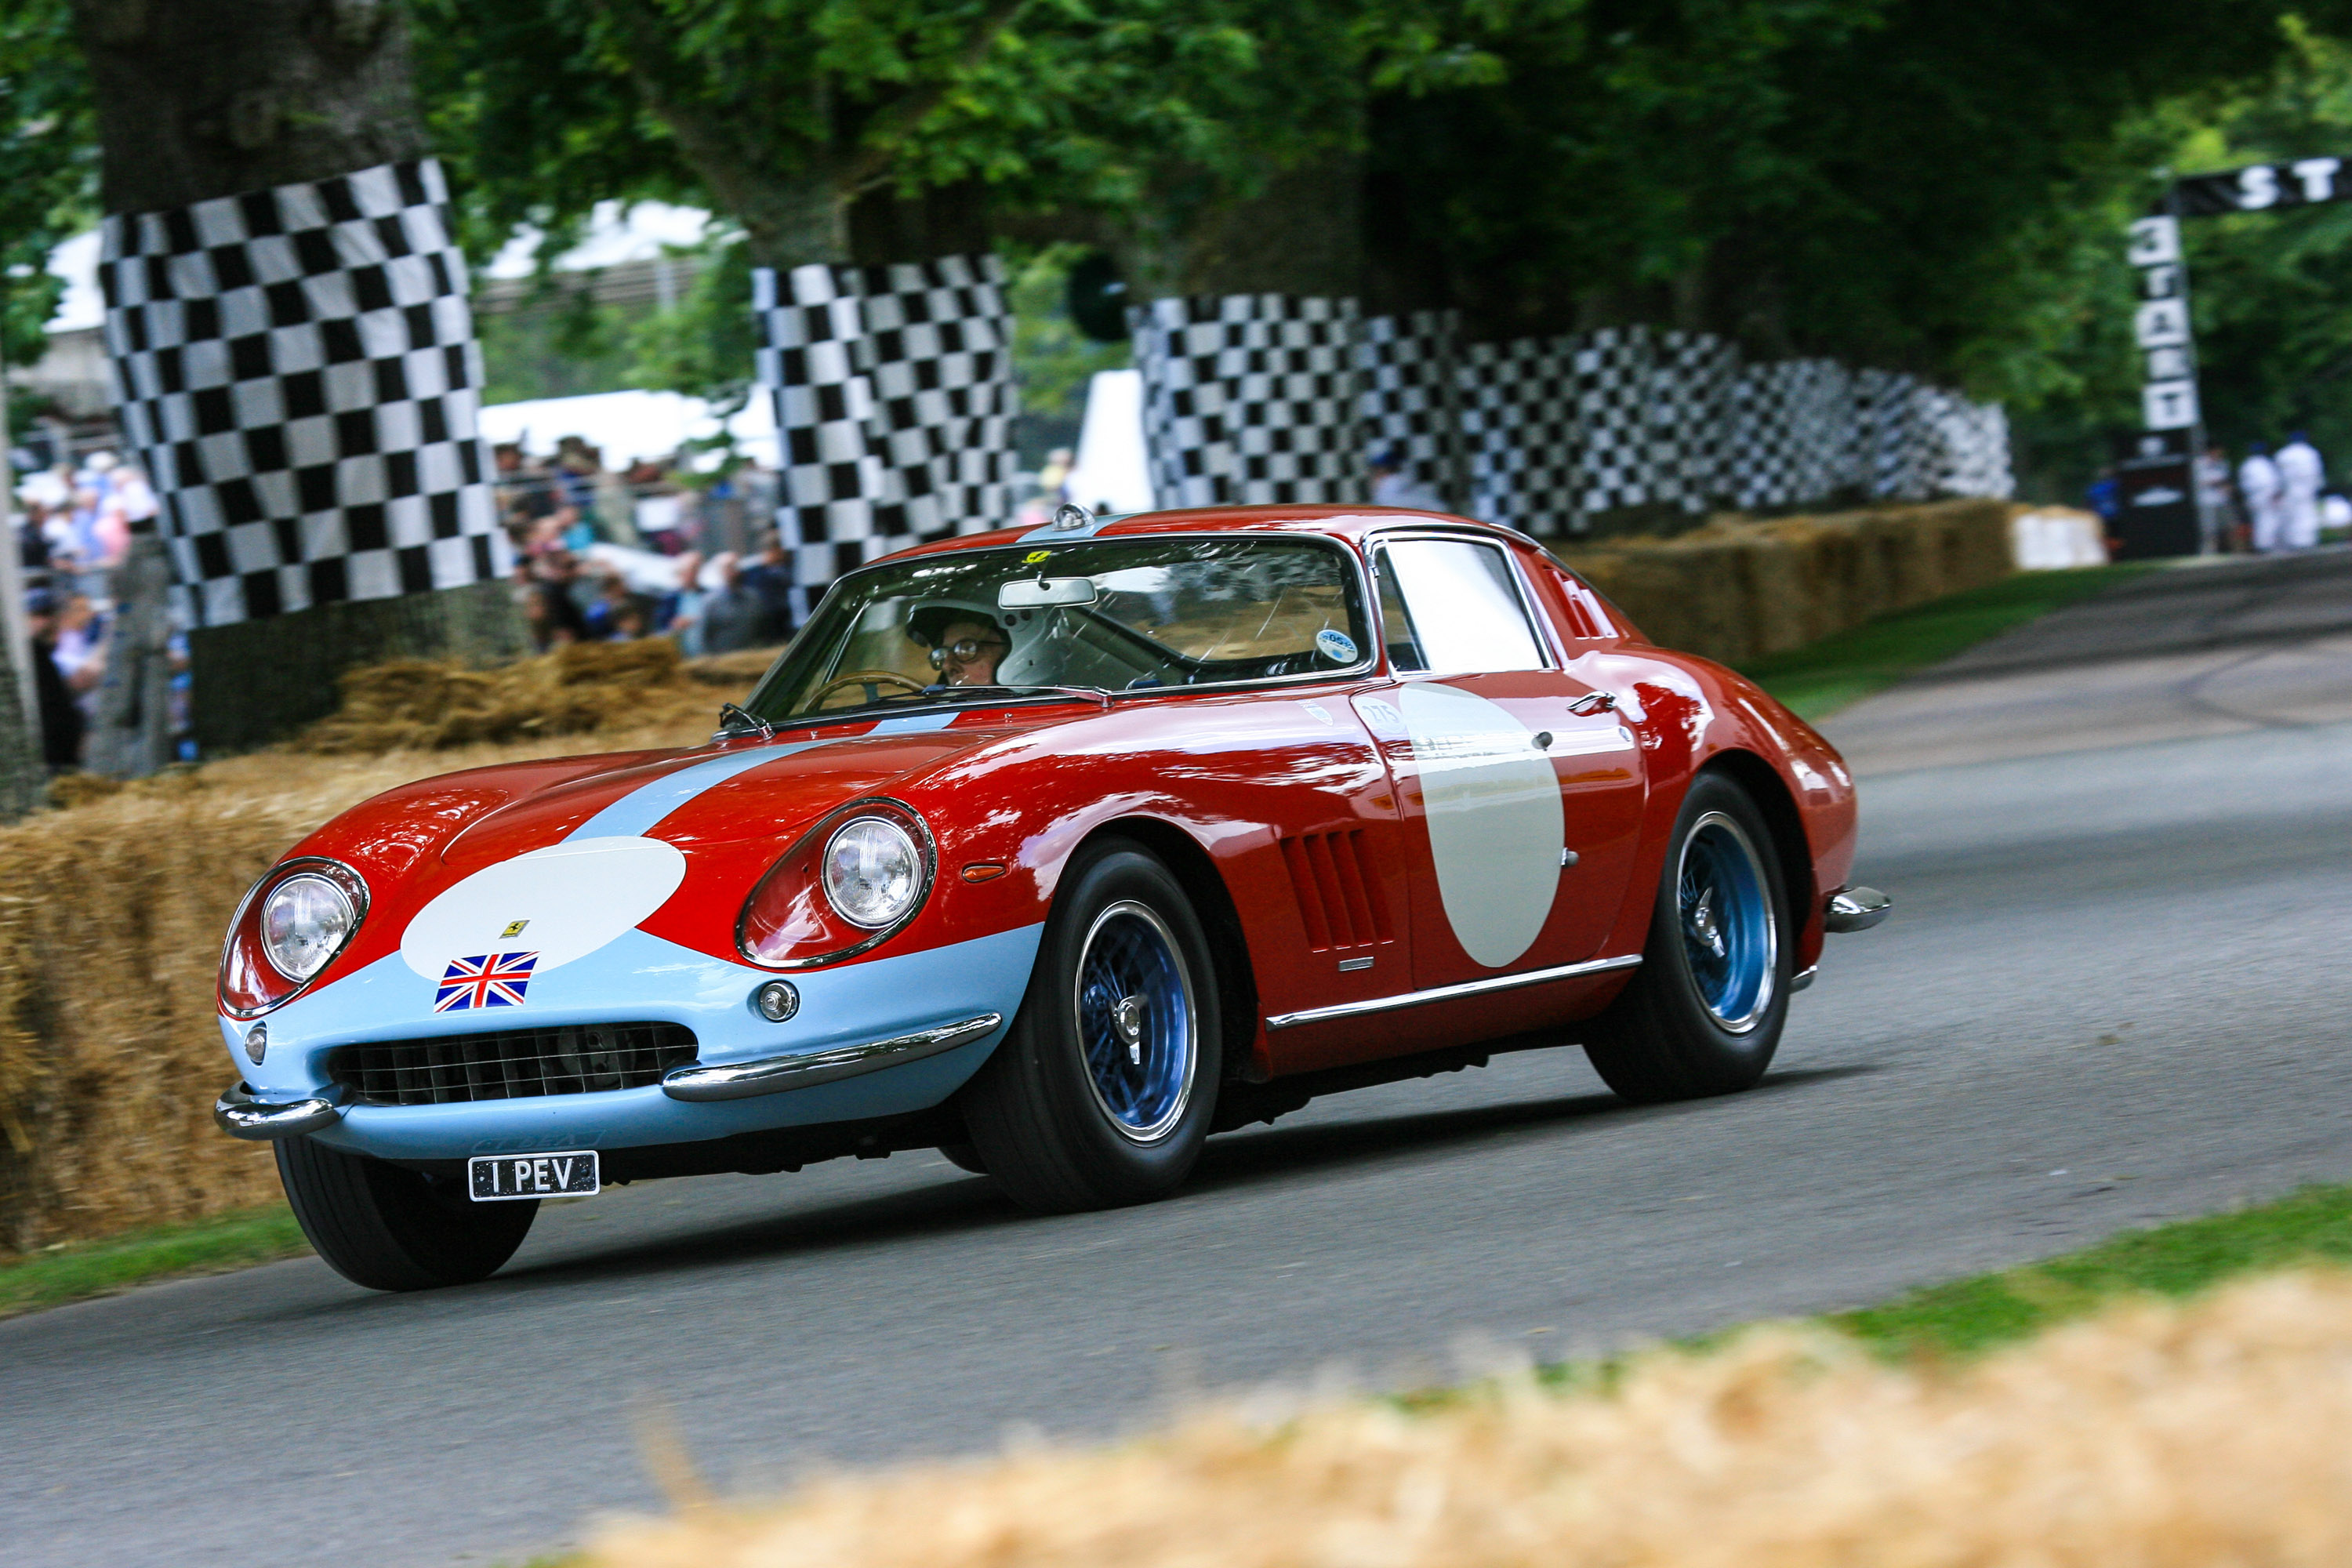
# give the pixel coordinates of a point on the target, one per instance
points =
(1703, 1015)
(1102, 1092)
(391, 1229)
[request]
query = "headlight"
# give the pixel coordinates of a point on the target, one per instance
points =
(291, 926)
(855, 878)
(873, 872)
(304, 924)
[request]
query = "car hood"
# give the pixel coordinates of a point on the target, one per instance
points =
(734, 792)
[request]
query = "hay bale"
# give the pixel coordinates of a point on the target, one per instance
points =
(2153, 1436)
(424, 705)
(1736, 587)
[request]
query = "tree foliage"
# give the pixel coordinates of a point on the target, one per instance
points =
(48, 164)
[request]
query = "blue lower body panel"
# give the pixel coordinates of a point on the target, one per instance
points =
(639, 978)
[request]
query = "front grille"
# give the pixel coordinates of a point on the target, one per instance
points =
(510, 1064)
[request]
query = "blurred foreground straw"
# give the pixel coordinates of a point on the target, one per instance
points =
(2152, 1437)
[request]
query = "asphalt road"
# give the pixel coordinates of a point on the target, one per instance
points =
(2114, 992)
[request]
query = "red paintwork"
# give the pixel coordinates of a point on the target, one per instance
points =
(1232, 774)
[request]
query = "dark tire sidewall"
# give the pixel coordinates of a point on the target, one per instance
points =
(1675, 990)
(1046, 1035)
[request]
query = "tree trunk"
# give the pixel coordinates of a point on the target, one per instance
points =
(197, 99)
(1303, 234)
(22, 776)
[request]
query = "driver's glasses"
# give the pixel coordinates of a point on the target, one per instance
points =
(963, 650)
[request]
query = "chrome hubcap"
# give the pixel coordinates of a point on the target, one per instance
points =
(1127, 1017)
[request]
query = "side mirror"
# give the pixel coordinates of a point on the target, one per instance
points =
(1045, 593)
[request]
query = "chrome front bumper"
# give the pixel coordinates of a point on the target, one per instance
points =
(772, 1075)
(241, 1116)
(1855, 908)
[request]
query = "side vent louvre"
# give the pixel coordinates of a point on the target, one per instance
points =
(1339, 893)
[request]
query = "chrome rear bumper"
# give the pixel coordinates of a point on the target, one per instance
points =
(1855, 908)
(241, 1116)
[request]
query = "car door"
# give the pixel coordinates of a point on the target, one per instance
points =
(1521, 792)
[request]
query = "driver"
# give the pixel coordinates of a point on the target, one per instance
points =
(966, 645)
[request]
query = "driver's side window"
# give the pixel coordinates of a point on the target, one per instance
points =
(1450, 606)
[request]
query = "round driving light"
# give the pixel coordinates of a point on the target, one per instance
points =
(777, 1001)
(303, 924)
(256, 1042)
(873, 872)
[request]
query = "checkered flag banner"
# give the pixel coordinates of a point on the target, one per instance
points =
(1254, 399)
(1518, 419)
(895, 399)
(1413, 409)
(296, 371)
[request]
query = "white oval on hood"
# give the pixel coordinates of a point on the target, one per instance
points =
(562, 902)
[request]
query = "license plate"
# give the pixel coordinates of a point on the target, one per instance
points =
(569, 1175)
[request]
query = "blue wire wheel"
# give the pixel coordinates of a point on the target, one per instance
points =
(1138, 1022)
(1731, 932)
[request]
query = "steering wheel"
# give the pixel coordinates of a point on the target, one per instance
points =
(872, 680)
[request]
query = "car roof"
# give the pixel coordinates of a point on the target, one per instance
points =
(1347, 523)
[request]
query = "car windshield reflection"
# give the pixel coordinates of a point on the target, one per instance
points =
(1092, 619)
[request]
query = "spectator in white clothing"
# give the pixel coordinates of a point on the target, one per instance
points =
(2300, 474)
(2258, 484)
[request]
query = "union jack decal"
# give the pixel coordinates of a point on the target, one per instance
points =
(487, 980)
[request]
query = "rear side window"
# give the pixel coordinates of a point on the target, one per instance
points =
(1451, 606)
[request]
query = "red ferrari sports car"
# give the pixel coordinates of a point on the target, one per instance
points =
(1056, 850)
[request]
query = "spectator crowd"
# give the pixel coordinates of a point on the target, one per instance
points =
(74, 523)
(603, 555)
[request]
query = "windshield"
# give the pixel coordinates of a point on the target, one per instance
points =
(1102, 614)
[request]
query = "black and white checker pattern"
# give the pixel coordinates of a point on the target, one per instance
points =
(296, 371)
(1253, 399)
(937, 349)
(1412, 404)
(1690, 412)
(1519, 422)
(895, 397)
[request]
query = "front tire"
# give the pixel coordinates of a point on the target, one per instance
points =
(391, 1229)
(1102, 1092)
(1703, 1015)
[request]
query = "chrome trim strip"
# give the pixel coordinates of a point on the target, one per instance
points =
(771, 1075)
(240, 1115)
(1450, 992)
(1855, 908)
(1803, 978)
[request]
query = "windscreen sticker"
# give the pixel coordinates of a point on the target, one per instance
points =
(1336, 644)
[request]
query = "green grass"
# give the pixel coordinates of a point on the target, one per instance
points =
(73, 1271)
(1969, 1316)
(1823, 677)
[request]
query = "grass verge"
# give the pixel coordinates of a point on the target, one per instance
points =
(1823, 677)
(2175, 1260)
(74, 1271)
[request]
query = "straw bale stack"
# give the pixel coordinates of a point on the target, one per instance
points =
(1736, 588)
(2150, 1436)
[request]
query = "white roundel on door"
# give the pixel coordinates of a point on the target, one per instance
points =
(1495, 822)
(562, 902)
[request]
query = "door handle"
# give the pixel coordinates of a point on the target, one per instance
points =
(1592, 703)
